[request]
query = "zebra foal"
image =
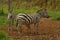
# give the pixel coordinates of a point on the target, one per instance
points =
(27, 19)
(10, 20)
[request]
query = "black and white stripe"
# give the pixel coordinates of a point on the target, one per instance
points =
(25, 18)
(28, 19)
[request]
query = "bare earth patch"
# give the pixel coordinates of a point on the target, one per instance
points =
(47, 30)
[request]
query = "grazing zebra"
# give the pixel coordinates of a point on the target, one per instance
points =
(27, 19)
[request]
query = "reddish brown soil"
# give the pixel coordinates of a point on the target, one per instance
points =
(47, 30)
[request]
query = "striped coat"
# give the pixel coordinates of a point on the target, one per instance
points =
(27, 19)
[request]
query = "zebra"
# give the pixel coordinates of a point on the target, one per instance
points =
(10, 20)
(27, 19)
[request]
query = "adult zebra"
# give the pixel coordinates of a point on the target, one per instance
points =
(27, 19)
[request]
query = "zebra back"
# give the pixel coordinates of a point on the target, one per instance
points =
(24, 17)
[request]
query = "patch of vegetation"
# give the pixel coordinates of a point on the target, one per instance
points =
(3, 21)
(24, 10)
(3, 35)
(55, 15)
(1, 12)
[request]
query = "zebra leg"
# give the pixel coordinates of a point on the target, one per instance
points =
(9, 24)
(16, 23)
(19, 28)
(36, 28)
(28, 27)
(12, 21)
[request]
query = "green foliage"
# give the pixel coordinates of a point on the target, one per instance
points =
(55, 15)
(3, 35)
(24, 10)
(1, 12)
(3, 21)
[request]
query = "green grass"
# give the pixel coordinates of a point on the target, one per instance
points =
(24, 10)
(55, 15)
(3, 20)
(3, 35)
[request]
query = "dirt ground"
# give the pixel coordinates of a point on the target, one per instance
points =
(47, 30)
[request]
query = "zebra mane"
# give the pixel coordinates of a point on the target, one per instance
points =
(41, 10)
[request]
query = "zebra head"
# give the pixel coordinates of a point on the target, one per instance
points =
(43, 13)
